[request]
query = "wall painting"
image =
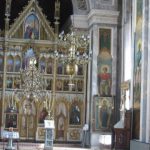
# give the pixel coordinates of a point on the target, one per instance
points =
(31, 27)
(137, 69)
(103, 113)
(104, 63)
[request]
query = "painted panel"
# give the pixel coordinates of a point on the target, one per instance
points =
(49, 69)
(138, 55)
(17, 83)
(105, 40)
(31, 27)
(103, 113)
(74, 134)
(17, 64)
(104, 63)
(42, 65)
(1, 63)
(11, 121)
(42, 115)
(10, 64)
(75, 115)
(9, 82)
(137, 69)
(27, 119)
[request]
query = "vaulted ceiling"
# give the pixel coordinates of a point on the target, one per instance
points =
(48, 6)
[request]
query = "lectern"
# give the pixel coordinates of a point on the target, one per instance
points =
(49, 134)
(10, 135)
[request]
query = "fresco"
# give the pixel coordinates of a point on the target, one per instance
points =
(104, 63)
(137, 69)
(31, 27)
(138, 55)
(105, 40)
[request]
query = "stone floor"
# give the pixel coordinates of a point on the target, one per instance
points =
(40, 146)
(35, 146)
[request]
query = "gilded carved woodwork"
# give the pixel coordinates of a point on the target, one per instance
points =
(30, 116)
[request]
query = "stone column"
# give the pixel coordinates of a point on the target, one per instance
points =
(94, 89)
(89, 81)
(99, 19)
(148, 77)
(5, 48)
(144, 99)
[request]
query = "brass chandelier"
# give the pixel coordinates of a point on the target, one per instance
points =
(32, 80)
(71, 48)
(33, 86)
(77, 46)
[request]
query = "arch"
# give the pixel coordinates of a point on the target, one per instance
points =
(61, 111)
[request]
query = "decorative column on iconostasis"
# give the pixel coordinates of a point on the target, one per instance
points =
(50, 100)
(57, 17)
(5, 48)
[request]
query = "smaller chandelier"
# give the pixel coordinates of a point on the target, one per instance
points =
(32, 80)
